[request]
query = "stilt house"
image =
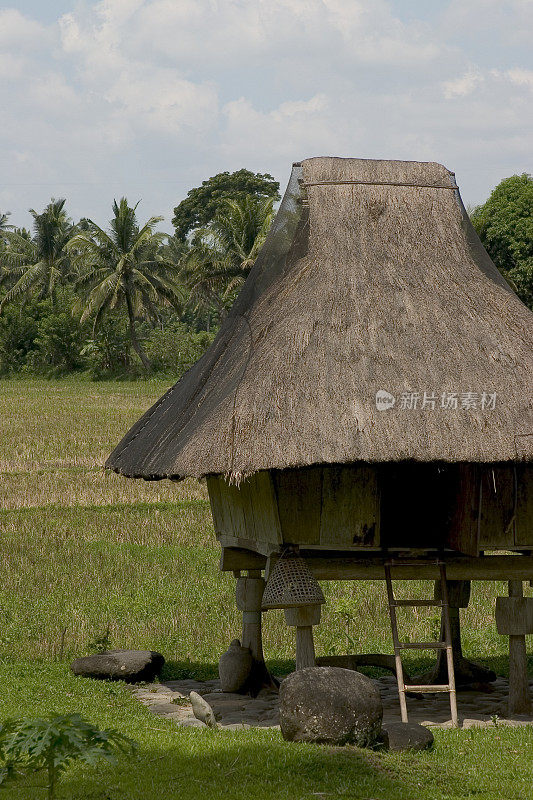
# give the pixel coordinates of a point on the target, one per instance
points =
(368, 398)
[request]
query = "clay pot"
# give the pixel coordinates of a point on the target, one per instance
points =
(234, 667)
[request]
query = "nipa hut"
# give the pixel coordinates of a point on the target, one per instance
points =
(365, 410)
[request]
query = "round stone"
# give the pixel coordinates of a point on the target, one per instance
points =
(330, 705)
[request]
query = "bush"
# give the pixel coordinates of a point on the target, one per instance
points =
(175, 348)
(58, 344)
(108, 352)
(18, 331)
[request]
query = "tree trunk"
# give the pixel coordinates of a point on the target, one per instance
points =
(133, 336)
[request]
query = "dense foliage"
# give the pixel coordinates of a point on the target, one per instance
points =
(127, 300)
(202, 204)
(505, 226)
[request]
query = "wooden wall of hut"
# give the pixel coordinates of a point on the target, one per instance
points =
(461, 507)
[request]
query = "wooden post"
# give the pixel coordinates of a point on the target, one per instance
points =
(458, 597)
(305, 647)
(465, 671)
(519, 697)
(303, 618)
(249, 594)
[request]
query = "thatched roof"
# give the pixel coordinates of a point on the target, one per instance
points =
(372, 278)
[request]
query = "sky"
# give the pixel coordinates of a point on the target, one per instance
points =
(148, 98)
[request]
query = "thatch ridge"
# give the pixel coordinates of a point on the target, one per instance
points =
(372, 277)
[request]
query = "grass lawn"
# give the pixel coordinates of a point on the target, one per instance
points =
(87, 555)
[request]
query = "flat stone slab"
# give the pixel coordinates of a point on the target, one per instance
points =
(132, 666)
(237, 711)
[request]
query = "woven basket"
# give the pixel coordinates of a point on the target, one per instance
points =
(291, 584)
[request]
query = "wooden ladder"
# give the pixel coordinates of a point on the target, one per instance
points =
(436, 645)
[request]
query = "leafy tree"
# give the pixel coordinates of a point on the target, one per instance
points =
(39, 264)
(123, 267)
(203, 203)
(58, 344)
(18, 330)
(223, 253)
(52, 744)
(505, 226)
(239, 230)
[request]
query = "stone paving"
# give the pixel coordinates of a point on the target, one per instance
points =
(170, 699)
(476, 708)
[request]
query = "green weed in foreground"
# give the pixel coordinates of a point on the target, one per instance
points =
(30, 745)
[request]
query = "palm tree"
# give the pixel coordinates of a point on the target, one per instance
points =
(37, 264)
(222, 254)
(4, 216)
(123, 266)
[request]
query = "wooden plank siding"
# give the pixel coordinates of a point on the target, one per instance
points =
(246, 512)
(350, 507)
(328, 506)
(496, 529)
(463, 521)
(524, 506)
(463, 507)
(299, 496)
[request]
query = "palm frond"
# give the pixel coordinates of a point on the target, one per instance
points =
(37, 273)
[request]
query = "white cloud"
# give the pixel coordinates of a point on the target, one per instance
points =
(521, 77)
(152, 97)
(465, 85)
(288, 131)
(149, 97)
(162, 101)
(240, 33)
(19, 32)
(509, 22)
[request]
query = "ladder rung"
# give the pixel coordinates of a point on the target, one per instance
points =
(417, 603)
(426, 689)
(422, 645)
